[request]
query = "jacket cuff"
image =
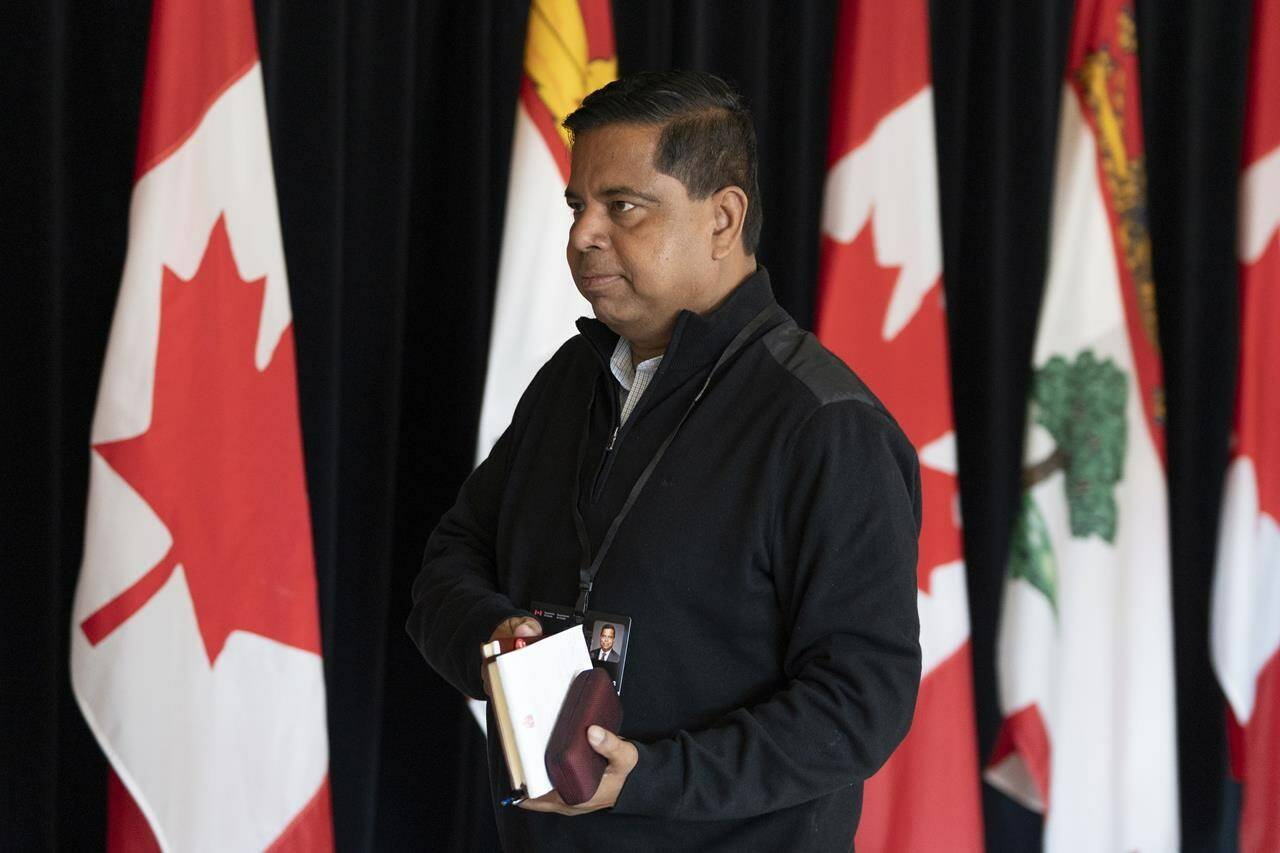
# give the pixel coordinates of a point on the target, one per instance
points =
(654, 786)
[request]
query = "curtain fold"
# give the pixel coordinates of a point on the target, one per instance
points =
(1195, 55)
(997, 106)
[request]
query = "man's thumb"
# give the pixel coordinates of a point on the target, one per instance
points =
(602, 740)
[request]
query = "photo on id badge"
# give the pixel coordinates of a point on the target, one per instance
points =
(607, 642)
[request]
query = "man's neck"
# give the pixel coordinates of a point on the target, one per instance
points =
(641, 353)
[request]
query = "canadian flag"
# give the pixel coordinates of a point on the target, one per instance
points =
(880, 308)
(1245, 622)
(569, 53)
(195, 642)
(1085, 647)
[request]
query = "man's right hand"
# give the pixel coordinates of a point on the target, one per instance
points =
(516, 626)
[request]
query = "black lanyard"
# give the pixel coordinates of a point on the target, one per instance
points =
(588, 568)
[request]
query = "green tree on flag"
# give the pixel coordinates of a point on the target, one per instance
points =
(1082, 405)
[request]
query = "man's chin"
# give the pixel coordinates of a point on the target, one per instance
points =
(618, 321)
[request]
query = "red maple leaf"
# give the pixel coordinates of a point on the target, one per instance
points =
(909, 373)
(221, 465)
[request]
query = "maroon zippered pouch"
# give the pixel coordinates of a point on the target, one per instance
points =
(574, 768)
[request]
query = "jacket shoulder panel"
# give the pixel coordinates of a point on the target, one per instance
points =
(827, 378)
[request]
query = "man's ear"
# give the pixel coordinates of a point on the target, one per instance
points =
(729, 207)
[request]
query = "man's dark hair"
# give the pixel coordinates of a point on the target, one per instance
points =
(610, 627)
(707, 141)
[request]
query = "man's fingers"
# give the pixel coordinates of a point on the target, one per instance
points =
(518, 626)
(551, 802)
(527, 627)
(622, 758)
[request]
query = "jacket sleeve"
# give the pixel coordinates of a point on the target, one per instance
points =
(844, 562)
(456, 600)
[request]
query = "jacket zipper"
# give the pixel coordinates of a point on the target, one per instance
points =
(606, 464)
(606, 459)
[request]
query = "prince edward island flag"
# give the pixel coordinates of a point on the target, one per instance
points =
(1085, 661)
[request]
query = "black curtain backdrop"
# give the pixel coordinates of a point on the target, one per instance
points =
(391, 126)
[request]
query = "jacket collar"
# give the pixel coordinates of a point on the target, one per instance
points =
(697, 339)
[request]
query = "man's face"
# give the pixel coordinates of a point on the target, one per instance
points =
(606, 638)
(640, 249)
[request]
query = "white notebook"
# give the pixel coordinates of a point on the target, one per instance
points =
(529, 686)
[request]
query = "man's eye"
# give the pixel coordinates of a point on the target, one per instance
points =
(622, 206)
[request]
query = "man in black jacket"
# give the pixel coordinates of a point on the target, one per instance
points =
(697, 462)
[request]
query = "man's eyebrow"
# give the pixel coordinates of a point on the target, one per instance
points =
(631, 191)
(614, 192)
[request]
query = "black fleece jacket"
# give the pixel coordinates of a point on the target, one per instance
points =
(769, 568)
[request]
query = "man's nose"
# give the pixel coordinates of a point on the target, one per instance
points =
(589, 230)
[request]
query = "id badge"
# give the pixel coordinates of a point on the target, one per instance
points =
(607, 635)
